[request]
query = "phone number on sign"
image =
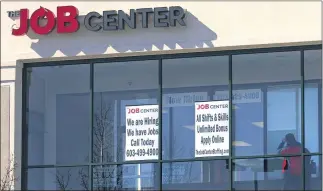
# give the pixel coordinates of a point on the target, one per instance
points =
(142, 152)
(237, 96)
(251, 95)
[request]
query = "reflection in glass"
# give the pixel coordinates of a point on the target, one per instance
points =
(313, 99)
(103, 129)
(65, 178)
(251, 75)
(283, 116)
(128, 176)
(313, 65)
(117, 85)
(313, 172)
(266, 107)
(211, 175)
(312, 117)
(59, 109)
(186, 81)
(268, 174)
(247, 140)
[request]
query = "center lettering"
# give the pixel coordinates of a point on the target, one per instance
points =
(116, 20)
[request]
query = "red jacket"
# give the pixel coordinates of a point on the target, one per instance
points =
(293, 164)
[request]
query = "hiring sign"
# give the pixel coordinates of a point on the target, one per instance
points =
(67, 19)
(212, 128)
(142, 129)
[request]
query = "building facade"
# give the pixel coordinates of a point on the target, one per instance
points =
(76, 88)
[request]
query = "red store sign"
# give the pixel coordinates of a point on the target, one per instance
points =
(67, 19)
(65, 23)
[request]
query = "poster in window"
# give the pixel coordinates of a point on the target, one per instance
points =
(212, 129)
(142, 129)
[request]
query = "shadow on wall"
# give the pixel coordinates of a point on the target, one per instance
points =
(194, 35)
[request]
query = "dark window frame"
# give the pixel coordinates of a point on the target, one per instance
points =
(160, 58)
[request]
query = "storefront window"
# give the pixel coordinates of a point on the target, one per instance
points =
(266, 174)
(63, 178)
(187, 176)
(313, 173)
(313, 100)
(125, 177)
(59, 115)
(283, 115)
(117, 85)
(263, 94)
(85, 123)
(186, 81)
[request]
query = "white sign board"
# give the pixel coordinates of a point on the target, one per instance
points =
(142, 132)
(212, 128)
(240, 96)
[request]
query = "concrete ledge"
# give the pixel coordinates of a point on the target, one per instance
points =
(171, 52)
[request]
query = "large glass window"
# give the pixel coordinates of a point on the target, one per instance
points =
(78, 122)
(63, 178)
(313, 172)
(313, 100)
(261, 174)
(58, 115)
(265, 102)
(214, 175)
(125, 177)
(283, 115)
(117, 85)
(186, 81)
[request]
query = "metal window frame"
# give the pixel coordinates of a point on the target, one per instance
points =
(302, 119)
(160, 57)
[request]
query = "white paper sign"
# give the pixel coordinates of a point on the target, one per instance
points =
(212, 128)
(142, 132)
